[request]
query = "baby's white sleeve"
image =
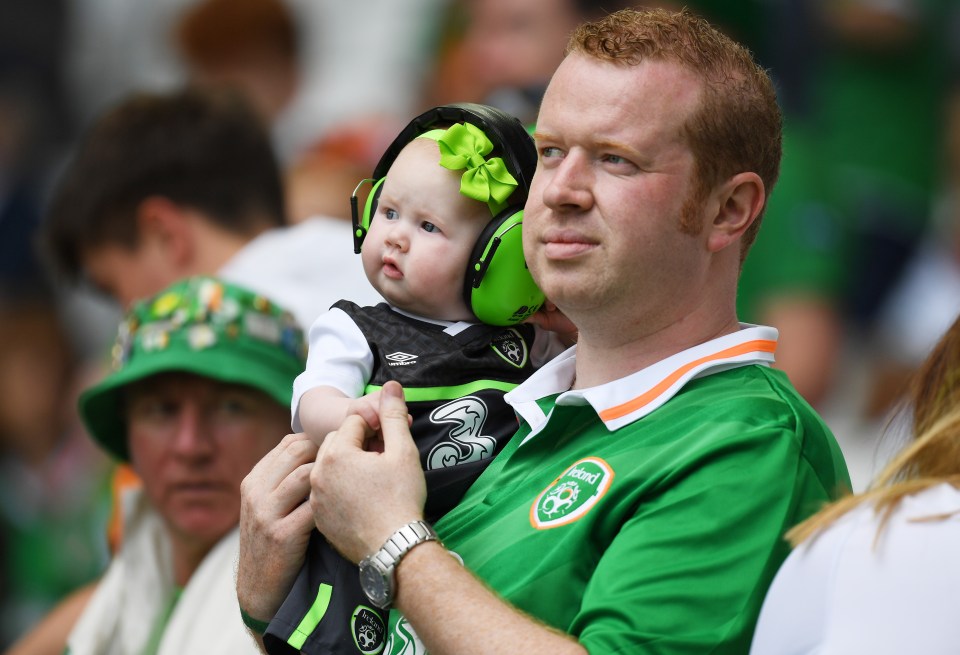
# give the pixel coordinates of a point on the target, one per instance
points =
(338, 357)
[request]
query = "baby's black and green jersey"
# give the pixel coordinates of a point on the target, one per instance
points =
(454, 381)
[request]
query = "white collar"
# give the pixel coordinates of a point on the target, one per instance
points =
(628, 399)
(453, 328)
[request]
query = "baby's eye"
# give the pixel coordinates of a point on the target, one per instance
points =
(390, 214)
(429, 227)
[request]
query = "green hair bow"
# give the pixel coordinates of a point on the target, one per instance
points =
(463, 146)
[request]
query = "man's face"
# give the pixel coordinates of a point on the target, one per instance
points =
(601, 228)
(127, 274)
(192, 441)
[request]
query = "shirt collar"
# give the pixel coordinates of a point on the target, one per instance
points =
(453, 328)
(628, 399)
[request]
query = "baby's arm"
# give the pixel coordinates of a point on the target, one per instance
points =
(339, 365)
(322, 410)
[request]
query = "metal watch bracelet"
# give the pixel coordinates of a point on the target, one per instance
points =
(402, 541)
(377, 571)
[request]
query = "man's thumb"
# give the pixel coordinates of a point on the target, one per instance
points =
(393, 412)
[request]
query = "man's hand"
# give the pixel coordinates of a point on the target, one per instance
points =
(275, 525)
(550, 318)
(359, 496)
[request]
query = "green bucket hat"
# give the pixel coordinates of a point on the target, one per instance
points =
(203, 326)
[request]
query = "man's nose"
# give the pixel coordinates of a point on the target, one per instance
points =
(570, 184)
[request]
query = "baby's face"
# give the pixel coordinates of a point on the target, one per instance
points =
(421, 235)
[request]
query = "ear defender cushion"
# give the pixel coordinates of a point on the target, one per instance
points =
(497, 283)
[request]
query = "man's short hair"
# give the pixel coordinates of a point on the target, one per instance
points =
(206, 150)
(738, 124)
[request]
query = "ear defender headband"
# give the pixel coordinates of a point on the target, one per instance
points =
(498, 158)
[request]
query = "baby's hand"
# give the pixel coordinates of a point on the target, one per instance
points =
(367, 408)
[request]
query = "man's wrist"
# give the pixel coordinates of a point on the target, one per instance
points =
(378, 570)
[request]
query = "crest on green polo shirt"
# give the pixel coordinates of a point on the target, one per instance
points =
(572, 494)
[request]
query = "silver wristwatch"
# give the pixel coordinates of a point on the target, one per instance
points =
(377, 571)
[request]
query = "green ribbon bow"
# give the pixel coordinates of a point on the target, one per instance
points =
(463, 146)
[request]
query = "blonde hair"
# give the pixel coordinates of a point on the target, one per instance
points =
(932, 458)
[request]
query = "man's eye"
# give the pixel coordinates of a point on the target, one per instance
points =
(615, 159)
(550, 152)
(429, 227)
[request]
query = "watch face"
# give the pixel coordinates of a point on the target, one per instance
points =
(374, 584)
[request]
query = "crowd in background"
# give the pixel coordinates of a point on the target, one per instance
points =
(858, 262)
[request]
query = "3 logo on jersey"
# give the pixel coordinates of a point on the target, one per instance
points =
(572, 494)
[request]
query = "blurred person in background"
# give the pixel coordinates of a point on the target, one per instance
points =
(257, 46)
(169, 185)
(876, 572)
(922, 303)
(198, 392)
(54, 486)
(253, 46)
(503, 52)
(883, 88)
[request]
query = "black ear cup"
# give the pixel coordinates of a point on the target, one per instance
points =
(497, 286)
(361, 220)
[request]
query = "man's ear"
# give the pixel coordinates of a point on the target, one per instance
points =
(739, 201)
(165, 226)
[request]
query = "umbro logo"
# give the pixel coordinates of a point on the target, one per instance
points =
(401, 359)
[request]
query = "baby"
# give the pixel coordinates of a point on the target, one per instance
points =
(440, 241)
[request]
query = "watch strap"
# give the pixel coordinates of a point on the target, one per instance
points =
(402, 542)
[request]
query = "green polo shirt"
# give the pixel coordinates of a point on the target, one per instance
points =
(647, 515)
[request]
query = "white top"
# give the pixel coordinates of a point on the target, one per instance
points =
(138, 586)
(849, 591)
(304, 268)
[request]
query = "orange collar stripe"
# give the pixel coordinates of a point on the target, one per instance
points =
(619, 411)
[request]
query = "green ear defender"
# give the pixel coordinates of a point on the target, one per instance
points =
(497, 285)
